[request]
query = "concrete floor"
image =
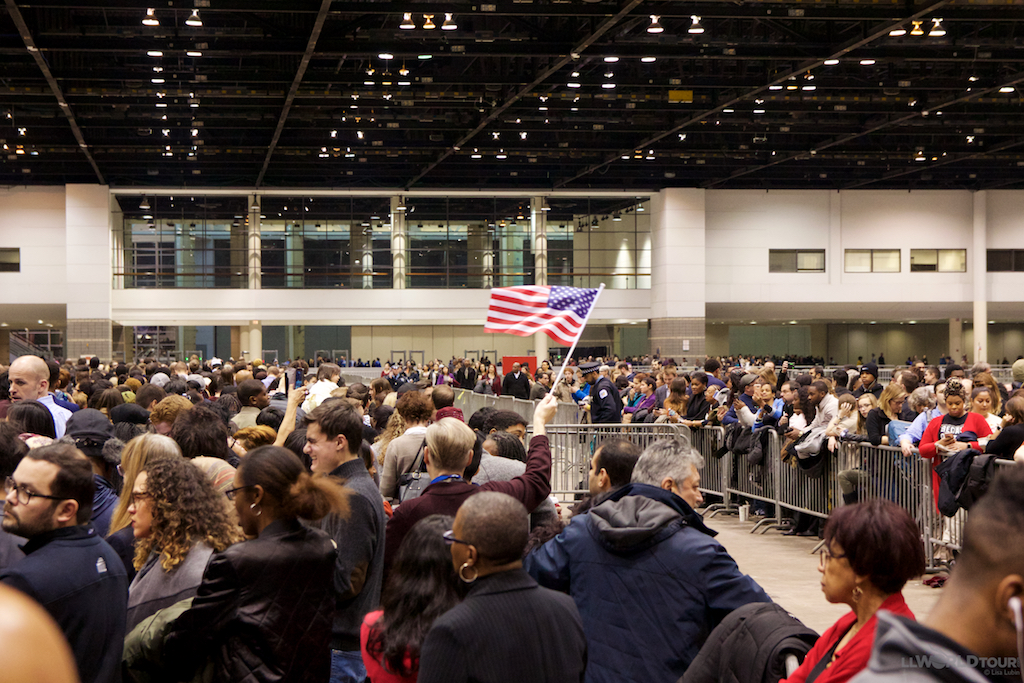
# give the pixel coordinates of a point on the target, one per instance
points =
(788, 572)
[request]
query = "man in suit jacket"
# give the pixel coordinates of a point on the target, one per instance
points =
(466, 376)
(516, 383)
(446, 455)
(508, 629)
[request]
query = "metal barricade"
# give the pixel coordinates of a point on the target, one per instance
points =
(760, 481)
(573, 446)
(714, 478)
(800, 492)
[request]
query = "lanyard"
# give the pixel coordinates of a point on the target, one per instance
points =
(445, 477)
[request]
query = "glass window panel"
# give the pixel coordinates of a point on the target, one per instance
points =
(858, 260)
(885, 260)
(924, 260)
(810, 261)
(782, 261)
(10, 260)
(953, 260)
(999, 260)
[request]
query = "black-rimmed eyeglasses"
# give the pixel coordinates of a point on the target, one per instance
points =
(24, 496)
(449, 538)
(230, 493)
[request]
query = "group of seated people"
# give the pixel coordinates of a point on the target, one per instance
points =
(379, 533)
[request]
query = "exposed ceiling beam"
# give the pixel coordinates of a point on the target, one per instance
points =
(850, 47)
(578, 49)
(945, 162)
(314, 35)
(30, 45)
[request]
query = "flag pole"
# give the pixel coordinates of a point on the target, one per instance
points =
(561, 370)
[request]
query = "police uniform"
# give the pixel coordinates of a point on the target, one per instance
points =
(605, 402)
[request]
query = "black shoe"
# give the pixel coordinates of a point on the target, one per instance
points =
(808, 532)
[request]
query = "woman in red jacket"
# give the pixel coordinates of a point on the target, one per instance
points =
(871, 550)
(953, 431)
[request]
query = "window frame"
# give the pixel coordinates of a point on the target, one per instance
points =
(796, 260)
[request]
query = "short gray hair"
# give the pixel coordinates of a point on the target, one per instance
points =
(922, 397)
(667, 458)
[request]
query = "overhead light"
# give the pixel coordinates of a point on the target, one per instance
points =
(608, 86)
(759, 111)
(407, 22)
(972, 79)
(385, 55)
(1006, 88)
(937, 30)
(810, 87)
(501, 155)
(403, 71)
(150, 19)
(640, 208)
(898, 32)
(775, 87)
(917, 30)
(255, 206)
(156, 80)
(573, 84)
(476, 155)
(920, 156)
(424, 57)
(194, 19)
(655, 27)
(611, 60)
(609, 74)
(648, 60)
(155, 53)
(867, 62)
(193, 53)
(401, 204)
(144, 205)
(695, 26)
(449, 23)
(617, 217)
(831, 62)
(545, 206)
(428, 22)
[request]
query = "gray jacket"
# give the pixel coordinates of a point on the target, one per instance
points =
(153, 589)
(908, 652)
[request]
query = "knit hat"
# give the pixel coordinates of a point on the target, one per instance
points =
(449, 411)
(869, 368)
(129, 412)
(1018, 370)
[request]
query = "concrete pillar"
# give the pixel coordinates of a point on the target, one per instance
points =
(539, 233)
(254, 246)
(236, 342)
(88, 260)
(677, 273)
(254, 332)
(479, 240)
(117, 241)
(979, 270)
(956, 339)
(399, 245)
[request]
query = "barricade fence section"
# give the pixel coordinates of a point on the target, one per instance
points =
(714, 479)
(573, 446)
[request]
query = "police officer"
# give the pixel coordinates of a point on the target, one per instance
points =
(605, 402)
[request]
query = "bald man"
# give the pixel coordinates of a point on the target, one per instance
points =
(25, 631)
(30, 380)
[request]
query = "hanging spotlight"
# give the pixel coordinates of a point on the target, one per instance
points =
(648, 60)
(403, 71)
(897, 32)
(920, 156)
(695, 26)
(144, 205)
(255, 206)
(407, 22)
(194, 19)
(937, 30)
(428, 22)
(917, 30)
(449, 23)
(150, 19)
(655, 27)
(831, 62)
(617, 217)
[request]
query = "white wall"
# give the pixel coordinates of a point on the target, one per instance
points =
(33, 219)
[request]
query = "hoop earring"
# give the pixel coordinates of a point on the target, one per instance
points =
(857, 593)
(257, 512)
(476, 573)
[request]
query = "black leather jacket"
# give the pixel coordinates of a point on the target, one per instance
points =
(263, 613)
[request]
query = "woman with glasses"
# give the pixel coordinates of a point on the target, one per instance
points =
(265, 607)
(421, 587)
(179, 520)
(508, 628)
(134, 458)
(871, 550)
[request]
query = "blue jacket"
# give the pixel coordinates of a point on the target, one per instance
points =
(80, 580)
(649, 580)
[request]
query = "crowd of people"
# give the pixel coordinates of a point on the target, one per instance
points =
(220, 522)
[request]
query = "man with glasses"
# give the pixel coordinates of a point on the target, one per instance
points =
(68, 568)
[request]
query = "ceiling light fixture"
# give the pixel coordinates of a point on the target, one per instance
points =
(144, 205)
(1006, 89)
(573, 84)
(193, 53)
(428, 22)
(501, 155)
(867, 62)
(385, 55)
(449, 23)
(695, 26)
(897, 32)
(831, 62)
(611, 60)
(937, 30)
(920, 156)
(608, 86)
(917, 30)
(150, 19)
(194, 19)
(648, 60)
(407, 22)
(157, 80)
(655, 27)
(155, 53)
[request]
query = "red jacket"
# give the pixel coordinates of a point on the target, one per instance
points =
(853, 658)
(974, 423)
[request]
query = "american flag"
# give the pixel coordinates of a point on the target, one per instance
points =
(559, 312)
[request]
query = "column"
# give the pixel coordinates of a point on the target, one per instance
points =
(677, 274)
(956, 339)
(89, 262)
(539, 233)
(399, 245)
(979, 269)
(254, 332)
(254, 247)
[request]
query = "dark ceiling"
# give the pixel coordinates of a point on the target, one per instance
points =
(294, 93)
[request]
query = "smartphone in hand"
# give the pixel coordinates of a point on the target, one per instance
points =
(298, 378)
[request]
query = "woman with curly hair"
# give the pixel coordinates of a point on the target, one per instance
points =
(179, 520)
(265, 607)
(421, 587)
(137, 454)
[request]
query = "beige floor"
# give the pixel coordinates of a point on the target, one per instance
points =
(788, 572)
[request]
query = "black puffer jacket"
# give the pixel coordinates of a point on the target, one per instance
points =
(263, 613)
